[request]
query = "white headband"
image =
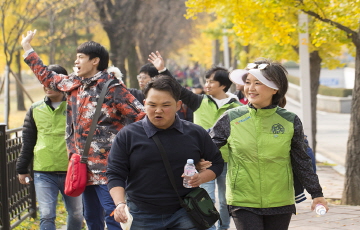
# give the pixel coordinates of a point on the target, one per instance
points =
(257, 73)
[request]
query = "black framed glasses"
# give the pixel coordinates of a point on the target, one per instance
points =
(257, 66)
(142, 77)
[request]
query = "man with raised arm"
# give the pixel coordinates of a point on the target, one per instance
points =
(83, 88)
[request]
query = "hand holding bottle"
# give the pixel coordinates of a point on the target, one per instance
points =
(319, 204)
(320, 209)
(189, 171)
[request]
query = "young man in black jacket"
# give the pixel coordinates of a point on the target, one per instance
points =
(135, 165)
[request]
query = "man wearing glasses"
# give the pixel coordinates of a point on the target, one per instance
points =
(146, 73)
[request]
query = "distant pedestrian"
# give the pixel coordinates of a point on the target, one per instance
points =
(83, 90)
(235, 77)
(266, 145)
(198, 89)
(185, 113)
(146, 73)
(44, 145)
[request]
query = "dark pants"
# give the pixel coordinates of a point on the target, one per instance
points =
(246, 220)
(98, 205)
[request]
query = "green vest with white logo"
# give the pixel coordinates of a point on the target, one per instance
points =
(259, 165)
(50, 152)
(208, 113)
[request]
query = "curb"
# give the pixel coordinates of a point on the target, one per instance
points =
(338, 168)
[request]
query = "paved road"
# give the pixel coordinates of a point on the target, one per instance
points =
(332, 132)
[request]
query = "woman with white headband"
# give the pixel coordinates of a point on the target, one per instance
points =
(266, 145)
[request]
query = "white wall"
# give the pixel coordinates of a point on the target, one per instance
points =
(336, 78)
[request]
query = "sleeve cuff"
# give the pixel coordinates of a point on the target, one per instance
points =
(28, 52)
(316, 195)
(163, 70)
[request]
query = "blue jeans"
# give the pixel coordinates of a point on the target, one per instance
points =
(47, 187)
(143, 220)
(98, 205)
(210, 188)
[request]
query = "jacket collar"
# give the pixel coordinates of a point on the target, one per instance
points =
(48, 101)
(86, 82)
(151, 130)
(266, 111)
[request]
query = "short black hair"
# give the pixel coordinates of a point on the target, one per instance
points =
(221, 75)
(149, 69)
(164, 83)
(93, 50)
(57, 69)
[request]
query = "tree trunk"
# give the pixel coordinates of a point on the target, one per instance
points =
(246, 49)
(350, 194)
(118, 19)
(133, 66)
(19, 91)
(118, 54)
(216, 52)
(52, 46)
(315, 68)
(2, 85)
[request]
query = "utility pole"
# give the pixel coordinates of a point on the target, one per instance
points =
(226, 51)
(226, 47)
(305, 97)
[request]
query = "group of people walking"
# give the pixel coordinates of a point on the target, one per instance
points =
(251, 152)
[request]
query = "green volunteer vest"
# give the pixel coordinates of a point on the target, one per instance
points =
(208, 113)
(259, 166)
(50, 152)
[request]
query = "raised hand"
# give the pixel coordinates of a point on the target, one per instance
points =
(157, 60)
(26, 40)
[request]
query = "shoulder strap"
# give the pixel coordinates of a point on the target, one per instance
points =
(84, 156)
(167, 166)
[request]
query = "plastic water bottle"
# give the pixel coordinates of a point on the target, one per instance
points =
(320, 209)
(189, 171)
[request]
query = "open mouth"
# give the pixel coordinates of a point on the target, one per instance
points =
(76, 69)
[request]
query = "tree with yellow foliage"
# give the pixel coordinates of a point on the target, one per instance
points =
(54, 26)
(16, 16)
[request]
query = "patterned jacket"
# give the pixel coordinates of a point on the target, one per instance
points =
(119, 108)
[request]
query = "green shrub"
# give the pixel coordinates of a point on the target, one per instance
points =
(294, 80)
(335, 92)
(291, 64)
(325, 90)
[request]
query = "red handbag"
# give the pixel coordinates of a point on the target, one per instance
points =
(76, 176)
